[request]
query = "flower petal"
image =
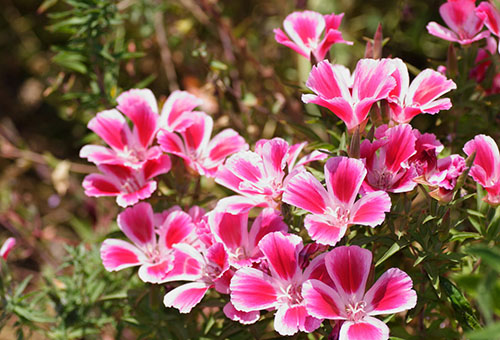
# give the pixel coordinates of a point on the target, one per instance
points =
(322, 231)
(118, 254)
(288, 320)
(245, 318)
(185, 297)
(303, 190)
(252, 290)
(371, 208)
(281, 251)
(323, 301)
(230, 229)
(7, 247)
(486, 168)
(112, 127)
(349, 268)
(392, 293)
(274, 156)
(268, 221)
(155, 167)
(156, 272)
(490, 15)
(367, 328)
(97, 185)
(197, 135)
(137, 223)
(441, 32)
(176, 228)
(175, 114)
(344, 177)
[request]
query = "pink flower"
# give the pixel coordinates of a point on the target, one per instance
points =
(130, 148)
(305, 29)
(194, 146)
(127, 184)
(239, 242)
(154, 255)
(7, 247)
(461, 17)
(387, 159)
(427, 147)
(177, 110)
(259, 177)
(335, 209)
(487, 12)
(348, 98)
(483, 60)
(486, 168)
(280, 287)
(349, 267)
(203, 270)
(406, 101)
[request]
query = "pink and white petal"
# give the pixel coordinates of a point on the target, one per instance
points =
(282, 38)
(246, 165)
(427, 86)
(316, 155)
(155, 167)
(490, 15)
(176, 110)
(392, 293)
(486, 168)
(400, 147)
(156, 272)
(217, 255)
(197, 135)
(341, 107)
(188, 264)
(97, 185)
(137, 223)
(402, 78)
(140, 106)
(185, 297)
(224, 144)
(7, 247)
(322, 301)
(303, 27)
(112, 127)
(349, 267)
(333, 20)
(439, 31)
(293, 153)
(228, 179)
(371, 208)
(268, 221)
(240, 204)
(176, 228)
(126, 199)
(230, 229)
(343, 177)
(317, 270)
(329, 81)
(303, 190)
(281, 251)
(322, 231)
(372, 79)
(435, 106)
(288, 320)
(461, 17)
(98, 154)
(245, 318)
(170, 142)
(332, 36)
(274, 155)
(118, 254)
(367, 328)
(253, 290)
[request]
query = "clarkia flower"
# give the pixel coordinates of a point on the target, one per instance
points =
(350, 98)
(279, 287)
(387, 159)
(486, 168)
(335, 209)
(427, 147)
(304, 31)
(193, 144)
(202, 269)
(177, 111)
(421, 96)
(127, 184)
(154, 254)
(7, 247)
(348, 268)
(239, 242)
(460, 16)
(259, 177)
(487, 12)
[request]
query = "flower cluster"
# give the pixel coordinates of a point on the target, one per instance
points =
(261, 264)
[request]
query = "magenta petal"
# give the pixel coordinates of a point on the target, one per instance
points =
(175, 115)
(188, 264)
(217, 258)
(323, 301)
(7, 247)
(343, 178)
(322, 231)
(490, 15)
(349, 268)
(372, 80)
(176, 228)
(98, 154)
(117, 255)
(392, 293)
(367, 328)
(252, 290)
(170, 142)
(197, 135)
(460, 16)
(371, 208)
(112, 127)
(486, 168)
(427, 86)
(329, 81)
(156, 272)
(268, 221)
(185, 297)
(281, 38)
(303, 190)
(137, 223)
(126, 199)
(224, 144)
(274, 156)
(281, 252)
(97, 185)
(441, 32)
(239, 204)
(155, 167)
(230, 229)
(288, 320)
(245, 318)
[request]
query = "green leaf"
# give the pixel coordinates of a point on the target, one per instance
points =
(489, 255)
(488, 333)
(391, 251)
(464, 312)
